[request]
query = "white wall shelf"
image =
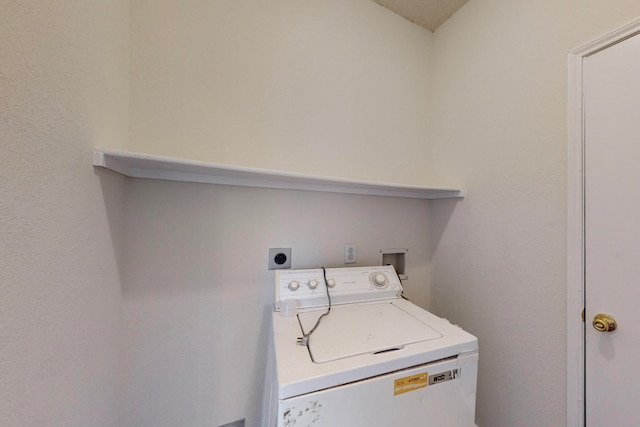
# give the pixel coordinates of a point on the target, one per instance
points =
(137, 165)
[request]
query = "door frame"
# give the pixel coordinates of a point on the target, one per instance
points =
(575, 221)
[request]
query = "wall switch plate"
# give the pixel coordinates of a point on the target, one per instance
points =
(350, 253)
(279, 258)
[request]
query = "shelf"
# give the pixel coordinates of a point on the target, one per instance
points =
(137, 165)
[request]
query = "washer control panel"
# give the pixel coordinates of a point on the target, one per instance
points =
(307, 288)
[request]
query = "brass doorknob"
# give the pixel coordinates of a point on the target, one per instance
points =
(604, 323)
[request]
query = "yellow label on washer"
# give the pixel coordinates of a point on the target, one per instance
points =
(407, 384)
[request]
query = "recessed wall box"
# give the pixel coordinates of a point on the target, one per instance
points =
(397, 258)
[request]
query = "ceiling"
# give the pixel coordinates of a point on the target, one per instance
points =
(426, 13)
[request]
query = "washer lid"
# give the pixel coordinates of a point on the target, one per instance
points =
(355, 329)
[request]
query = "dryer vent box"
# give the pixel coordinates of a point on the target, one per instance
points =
(397, 258)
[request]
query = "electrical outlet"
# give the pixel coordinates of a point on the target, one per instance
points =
(350, 253)
(279, 258)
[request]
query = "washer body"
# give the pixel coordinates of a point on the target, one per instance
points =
(375, 359)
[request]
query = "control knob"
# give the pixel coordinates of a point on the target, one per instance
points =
(331, 283)
(312, 284)
(294, 285)
(379, 280)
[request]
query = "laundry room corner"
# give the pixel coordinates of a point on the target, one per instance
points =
(145, 300)
(198, 289)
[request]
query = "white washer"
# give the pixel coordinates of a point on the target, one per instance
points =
(375, 360)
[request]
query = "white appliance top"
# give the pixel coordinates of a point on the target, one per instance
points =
(369, 331)
(354, 329)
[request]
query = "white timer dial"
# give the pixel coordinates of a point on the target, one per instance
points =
(379, 280)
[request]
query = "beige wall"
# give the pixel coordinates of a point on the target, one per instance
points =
(63, 90)
(481, 102)
(197, 294)
(500, 126)
(333, 88)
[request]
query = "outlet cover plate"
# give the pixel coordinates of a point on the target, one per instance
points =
(350, 253)
(279, 258)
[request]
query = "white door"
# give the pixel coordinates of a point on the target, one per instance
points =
(612, 234)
